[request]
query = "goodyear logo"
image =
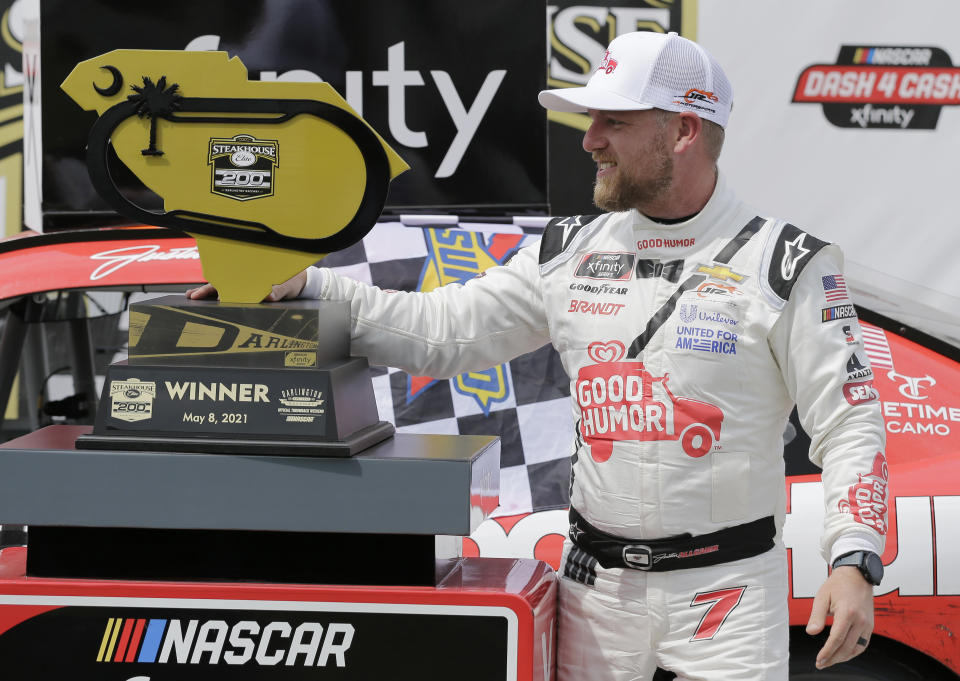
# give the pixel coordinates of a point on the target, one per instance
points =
(215, 642)
(454, 257)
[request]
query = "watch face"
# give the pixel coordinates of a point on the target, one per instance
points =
(874, 567)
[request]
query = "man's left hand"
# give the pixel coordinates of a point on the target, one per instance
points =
(849, 598)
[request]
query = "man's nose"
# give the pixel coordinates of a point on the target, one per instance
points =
(593, 139)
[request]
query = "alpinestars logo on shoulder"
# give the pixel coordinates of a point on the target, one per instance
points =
(243, 167)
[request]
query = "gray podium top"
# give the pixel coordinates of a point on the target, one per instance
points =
(408, 484)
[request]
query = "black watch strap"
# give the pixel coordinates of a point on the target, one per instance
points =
(868, 562)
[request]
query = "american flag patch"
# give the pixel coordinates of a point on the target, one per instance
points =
(834, 287)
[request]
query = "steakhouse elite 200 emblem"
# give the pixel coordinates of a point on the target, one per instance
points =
(623, 401)
(132, 400)
(243, 167)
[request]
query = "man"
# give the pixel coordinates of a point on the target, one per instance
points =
(717, 322)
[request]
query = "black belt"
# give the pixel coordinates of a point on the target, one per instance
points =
(673, 553)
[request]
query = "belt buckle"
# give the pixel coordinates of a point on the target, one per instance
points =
(638, 556)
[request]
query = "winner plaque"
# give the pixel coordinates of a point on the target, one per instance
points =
(268, 177)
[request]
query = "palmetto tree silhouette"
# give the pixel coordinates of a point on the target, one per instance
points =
(153, 101)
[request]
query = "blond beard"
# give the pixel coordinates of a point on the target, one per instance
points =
(623, 193)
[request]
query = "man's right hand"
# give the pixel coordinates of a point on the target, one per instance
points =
(291, 288)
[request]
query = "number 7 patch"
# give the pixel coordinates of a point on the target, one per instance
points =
(722, 603)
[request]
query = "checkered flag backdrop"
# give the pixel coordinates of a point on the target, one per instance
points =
(525, 401)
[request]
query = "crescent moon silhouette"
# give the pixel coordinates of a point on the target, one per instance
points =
(115, 86)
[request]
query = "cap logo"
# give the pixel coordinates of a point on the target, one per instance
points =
(693, 95)
(608, 63)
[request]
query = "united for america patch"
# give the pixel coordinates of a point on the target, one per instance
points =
(243, 167)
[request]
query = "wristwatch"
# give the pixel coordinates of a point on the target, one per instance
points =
(869, 564)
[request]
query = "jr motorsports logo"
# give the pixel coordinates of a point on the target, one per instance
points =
(132, 400)
(243, 167)
(874, 86)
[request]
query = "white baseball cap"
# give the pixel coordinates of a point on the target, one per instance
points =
(648, 70)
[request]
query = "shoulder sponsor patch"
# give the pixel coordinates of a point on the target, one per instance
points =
(791, 253)
(856, 368)
(829, 314)
(859, 392)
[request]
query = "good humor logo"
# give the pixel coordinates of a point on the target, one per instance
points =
(875, 86)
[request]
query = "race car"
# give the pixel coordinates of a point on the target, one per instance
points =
(72, 288)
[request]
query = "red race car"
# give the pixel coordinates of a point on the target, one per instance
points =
(87, 277)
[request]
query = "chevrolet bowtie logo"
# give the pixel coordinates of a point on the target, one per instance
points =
(721, 272)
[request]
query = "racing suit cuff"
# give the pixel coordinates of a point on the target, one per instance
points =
(856, 542)
(315, 281)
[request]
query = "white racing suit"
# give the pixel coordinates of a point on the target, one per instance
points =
(687, 346)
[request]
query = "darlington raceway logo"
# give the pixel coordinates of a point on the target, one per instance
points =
(874, 86)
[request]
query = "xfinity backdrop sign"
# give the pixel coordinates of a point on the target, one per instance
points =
(459, 107)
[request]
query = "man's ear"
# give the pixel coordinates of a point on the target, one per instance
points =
(688, 128)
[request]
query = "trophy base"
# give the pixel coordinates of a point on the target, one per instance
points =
(324, 411)
(349, 446)
(232, 555)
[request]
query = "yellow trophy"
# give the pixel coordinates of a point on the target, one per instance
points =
(268, 177)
